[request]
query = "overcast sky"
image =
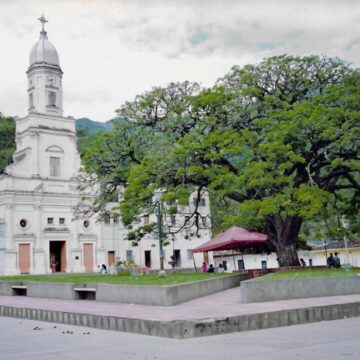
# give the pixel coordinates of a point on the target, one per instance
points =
(112, 50)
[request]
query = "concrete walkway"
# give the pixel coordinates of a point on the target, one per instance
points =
(214, 314)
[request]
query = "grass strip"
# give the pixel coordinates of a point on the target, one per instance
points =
(121, 279)
(309, 274)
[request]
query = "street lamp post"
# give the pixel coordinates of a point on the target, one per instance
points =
(345, 225)
(158, 193)
(325, 247)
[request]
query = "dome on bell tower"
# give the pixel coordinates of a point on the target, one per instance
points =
(44, 77)
(44, 52)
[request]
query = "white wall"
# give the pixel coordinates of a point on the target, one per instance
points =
(115, 238)
(318, 257)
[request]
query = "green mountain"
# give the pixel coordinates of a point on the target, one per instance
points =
(92, 126)
(86, 128)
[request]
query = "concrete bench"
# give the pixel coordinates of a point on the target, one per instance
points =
(84, 293)
(19, 290)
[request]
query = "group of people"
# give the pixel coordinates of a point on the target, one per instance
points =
(211, 268)
(333, 261)
(102, 269)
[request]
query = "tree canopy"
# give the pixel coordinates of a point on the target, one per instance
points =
(7, 141)
(275, 143)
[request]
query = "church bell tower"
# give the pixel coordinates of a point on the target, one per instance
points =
(44, 77)
(45, 139)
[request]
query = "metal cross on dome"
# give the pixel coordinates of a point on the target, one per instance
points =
(43, 21)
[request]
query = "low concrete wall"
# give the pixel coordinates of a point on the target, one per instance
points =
(259, 291)
(166, 295)
(6, 287)
(50, 290)
(186, 292)
(184, 329)
(136, 294)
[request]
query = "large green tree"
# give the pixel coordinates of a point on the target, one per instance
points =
(7, 141)
(109, 157)
(275, 143)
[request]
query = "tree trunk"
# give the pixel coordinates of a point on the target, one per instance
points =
(283, 235)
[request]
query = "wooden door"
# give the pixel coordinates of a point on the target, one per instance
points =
(111, 258)
(88, 258)
(63, 256)
(24, 258)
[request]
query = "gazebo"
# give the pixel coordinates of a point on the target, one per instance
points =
(235, 238)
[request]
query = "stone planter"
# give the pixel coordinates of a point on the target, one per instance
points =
(259, 291)
(135, 294)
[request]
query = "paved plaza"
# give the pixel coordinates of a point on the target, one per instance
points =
(222, 304)
(214, 314)
(49, 341)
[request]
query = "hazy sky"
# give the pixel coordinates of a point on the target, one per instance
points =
(112, 50)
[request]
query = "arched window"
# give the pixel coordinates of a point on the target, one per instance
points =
(54, 149)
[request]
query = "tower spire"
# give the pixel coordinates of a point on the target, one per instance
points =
(42, 19)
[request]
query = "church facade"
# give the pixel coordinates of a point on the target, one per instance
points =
(38, 192)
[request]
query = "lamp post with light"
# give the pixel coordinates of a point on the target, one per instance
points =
(158, 193)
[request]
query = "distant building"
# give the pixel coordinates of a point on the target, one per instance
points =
(38, 193)
(316, 257)
(180, 245)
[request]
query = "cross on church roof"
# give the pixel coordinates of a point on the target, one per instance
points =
(43, 21)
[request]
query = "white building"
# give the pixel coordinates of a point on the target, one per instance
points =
(38, 192)
(180, 245)
(315, 257)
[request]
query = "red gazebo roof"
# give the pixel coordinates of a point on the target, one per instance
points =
(233, 238)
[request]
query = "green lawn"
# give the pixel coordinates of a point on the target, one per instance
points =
(309, 273)
(122, 278)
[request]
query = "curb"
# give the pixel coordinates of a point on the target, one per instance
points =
(184, 329)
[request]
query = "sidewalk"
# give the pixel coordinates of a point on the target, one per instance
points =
(214, 314)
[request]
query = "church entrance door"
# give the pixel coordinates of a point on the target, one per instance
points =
(148, 258)
(88, 258)
(24, 258)
(57, 256)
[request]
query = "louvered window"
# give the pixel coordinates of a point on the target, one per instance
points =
(54, 166)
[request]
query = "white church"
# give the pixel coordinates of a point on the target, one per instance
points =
(38, 193)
